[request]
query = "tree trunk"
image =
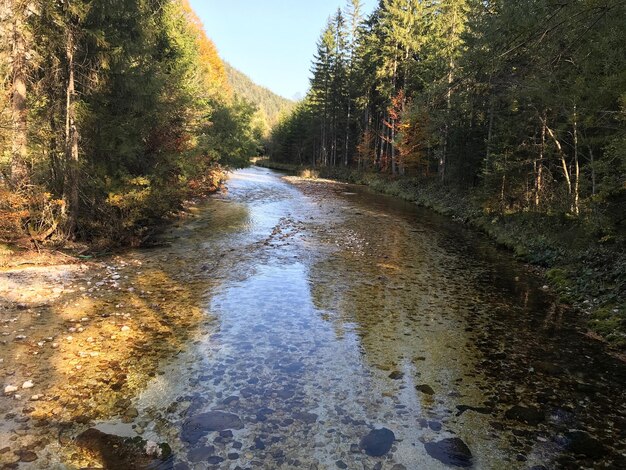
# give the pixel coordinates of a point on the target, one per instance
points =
(489, 133)
(19, 144)
(576, 207)
(71, 138)
(392, 136)
(446, 129)
(382, 143)
(539, 163)
(562, 156)
(593, 173)
(347, 142)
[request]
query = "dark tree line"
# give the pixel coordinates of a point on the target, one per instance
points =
(524, 101)
(112, 112)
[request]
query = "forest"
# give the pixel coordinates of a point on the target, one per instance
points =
(508, 115)
(271, 107)
(112, 113)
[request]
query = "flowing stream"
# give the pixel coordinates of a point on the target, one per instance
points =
(344, 329)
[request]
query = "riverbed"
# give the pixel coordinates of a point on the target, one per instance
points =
(291, 323)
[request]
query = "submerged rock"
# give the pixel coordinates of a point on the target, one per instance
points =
(548, 368)
(27, 456)
(580, 442)
(426, 389)
(529, 415)
(198, 426)
(435, 425)
(451, 451)
(478, 409)
(308, 418)
(378, 442)
(201, 454)
(123, 452)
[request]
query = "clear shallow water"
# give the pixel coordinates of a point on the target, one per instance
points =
(332, 312)
(346, 301)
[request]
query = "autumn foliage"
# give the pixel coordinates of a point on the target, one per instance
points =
(110, 118)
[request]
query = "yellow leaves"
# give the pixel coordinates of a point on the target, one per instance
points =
(210, 63)
(139, 181)
(133, 195)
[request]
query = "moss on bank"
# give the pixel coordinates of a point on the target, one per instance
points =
(586, 270)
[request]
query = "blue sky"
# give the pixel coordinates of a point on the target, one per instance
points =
(271, 41)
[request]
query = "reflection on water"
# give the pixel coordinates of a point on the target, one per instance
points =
(339, 312)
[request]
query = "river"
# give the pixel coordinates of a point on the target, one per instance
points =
(338, 328)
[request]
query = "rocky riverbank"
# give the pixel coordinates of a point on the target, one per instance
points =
(80, 340)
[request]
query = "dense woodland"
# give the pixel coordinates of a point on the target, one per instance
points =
(521, 101)
(112, 113)
(271, 107)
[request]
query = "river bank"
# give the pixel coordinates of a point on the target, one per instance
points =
(588, 274)
(301, 323)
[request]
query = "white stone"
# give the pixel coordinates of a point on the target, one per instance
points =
(28, 384)
(10, 389)
(153, 449)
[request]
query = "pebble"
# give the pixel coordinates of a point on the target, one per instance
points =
(27, 456)
(451, 451)
(10, 389)
(28, 384)
(153, 449)
(580, 442)
(378, 442)
(198, 426)
(426, 389)
(525, 414)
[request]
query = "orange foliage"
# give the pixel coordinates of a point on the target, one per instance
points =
(214, 69)
(31, 212)
(365, 148)
(413, 140)
(13, 212)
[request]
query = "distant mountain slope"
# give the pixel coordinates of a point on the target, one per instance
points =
(270, 104)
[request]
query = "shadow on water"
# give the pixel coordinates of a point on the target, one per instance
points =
(437, 308)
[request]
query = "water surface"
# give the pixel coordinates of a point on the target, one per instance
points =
(332, 311)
